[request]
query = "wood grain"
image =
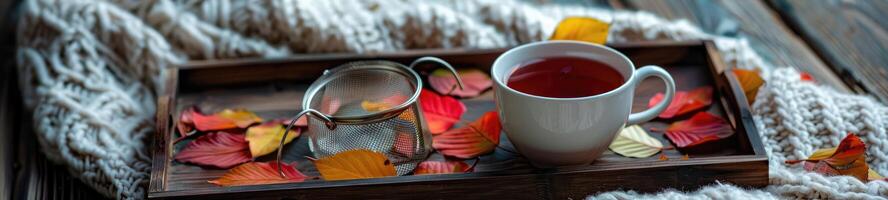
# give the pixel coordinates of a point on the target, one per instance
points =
(751, 19)
(851, 36)
(272, 88)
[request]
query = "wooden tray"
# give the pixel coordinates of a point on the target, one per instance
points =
(274, 87)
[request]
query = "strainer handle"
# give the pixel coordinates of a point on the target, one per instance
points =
(443, 64)
(330, 124)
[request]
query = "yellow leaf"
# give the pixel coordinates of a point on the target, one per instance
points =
(266, 138)
(873, 175)
(370, 106)
(750, 81)
(821, 154)
(355, 164)
(581, 29)
(634, 142)
(241, 117)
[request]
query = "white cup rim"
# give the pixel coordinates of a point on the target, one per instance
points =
(629, 81)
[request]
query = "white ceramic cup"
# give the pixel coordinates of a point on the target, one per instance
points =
(570, 131)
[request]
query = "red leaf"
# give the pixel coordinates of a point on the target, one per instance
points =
(256, 173)
(186, 121)
(701, 128)
(404, 144)
(474, 82)
(439, 167)
(805, 76)
(440, 112)
(850, 149)
(219, 149)
(684, 102)
(821, 168)
(472, 140)
(849, 158)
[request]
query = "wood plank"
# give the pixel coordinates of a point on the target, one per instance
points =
(751, 19)
(851, 36)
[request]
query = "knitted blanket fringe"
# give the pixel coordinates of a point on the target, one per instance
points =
(91, 70)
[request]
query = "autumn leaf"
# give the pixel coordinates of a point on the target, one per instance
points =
(849, 158)
(700, 128)
(875, 176)
(384, 104)
(226, 119)
(685, 157)
(684, 102)
(805, 76)
(663, 157)
(474, 82)
(404, 144)
(256, 173)
(472, 140)
(186, 121)
(266, 138)
(440, 112)
(582, 29)
(750, 81)
(439, 167)
(218, 149)
(634, 142)
(355, 164)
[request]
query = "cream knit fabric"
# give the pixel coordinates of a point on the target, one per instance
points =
(91, 70)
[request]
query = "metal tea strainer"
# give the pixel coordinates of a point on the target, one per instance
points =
(370, 105)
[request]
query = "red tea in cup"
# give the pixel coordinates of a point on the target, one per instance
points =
(564, 77)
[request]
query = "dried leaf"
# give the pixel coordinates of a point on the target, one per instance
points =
(404, 144)
(805, 76)
(218, 149)
(700, 128)
(440, 112)
(875, 176)
(384, 104)
(581, 29)
(634, 142)
(684, 102)
(685, 157)
(439, 167)
(256, 173)
(226, 119)
(849, 158)
(355, 164)
(474, 82)
(266, 138)
(472, 140)
(186, 121)
(750, 81)
(663, 157)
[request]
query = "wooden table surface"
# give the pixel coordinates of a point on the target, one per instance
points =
(843, 44)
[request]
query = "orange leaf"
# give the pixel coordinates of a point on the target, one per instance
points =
(439, 167)
(805, 76)
(474, 82)
(355, 164)
(684, 102)
(472, 140)
(701, 128)
(440, 112)
(384, 104)
(186, 121)
(685, 157)
(663, 157)
(750, 81)
(581, 29)
(219, 149)
(256, 173)
(266, 138)
(849, 158)
(227, 119)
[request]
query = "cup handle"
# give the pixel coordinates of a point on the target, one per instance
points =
(651, 113)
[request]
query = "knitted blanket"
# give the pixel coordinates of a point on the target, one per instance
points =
(90, 71)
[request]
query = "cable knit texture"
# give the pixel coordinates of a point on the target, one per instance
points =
(91, 70)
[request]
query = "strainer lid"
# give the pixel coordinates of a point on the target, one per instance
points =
(340, 93)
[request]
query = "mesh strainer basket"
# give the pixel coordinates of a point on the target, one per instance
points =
(370, 105)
